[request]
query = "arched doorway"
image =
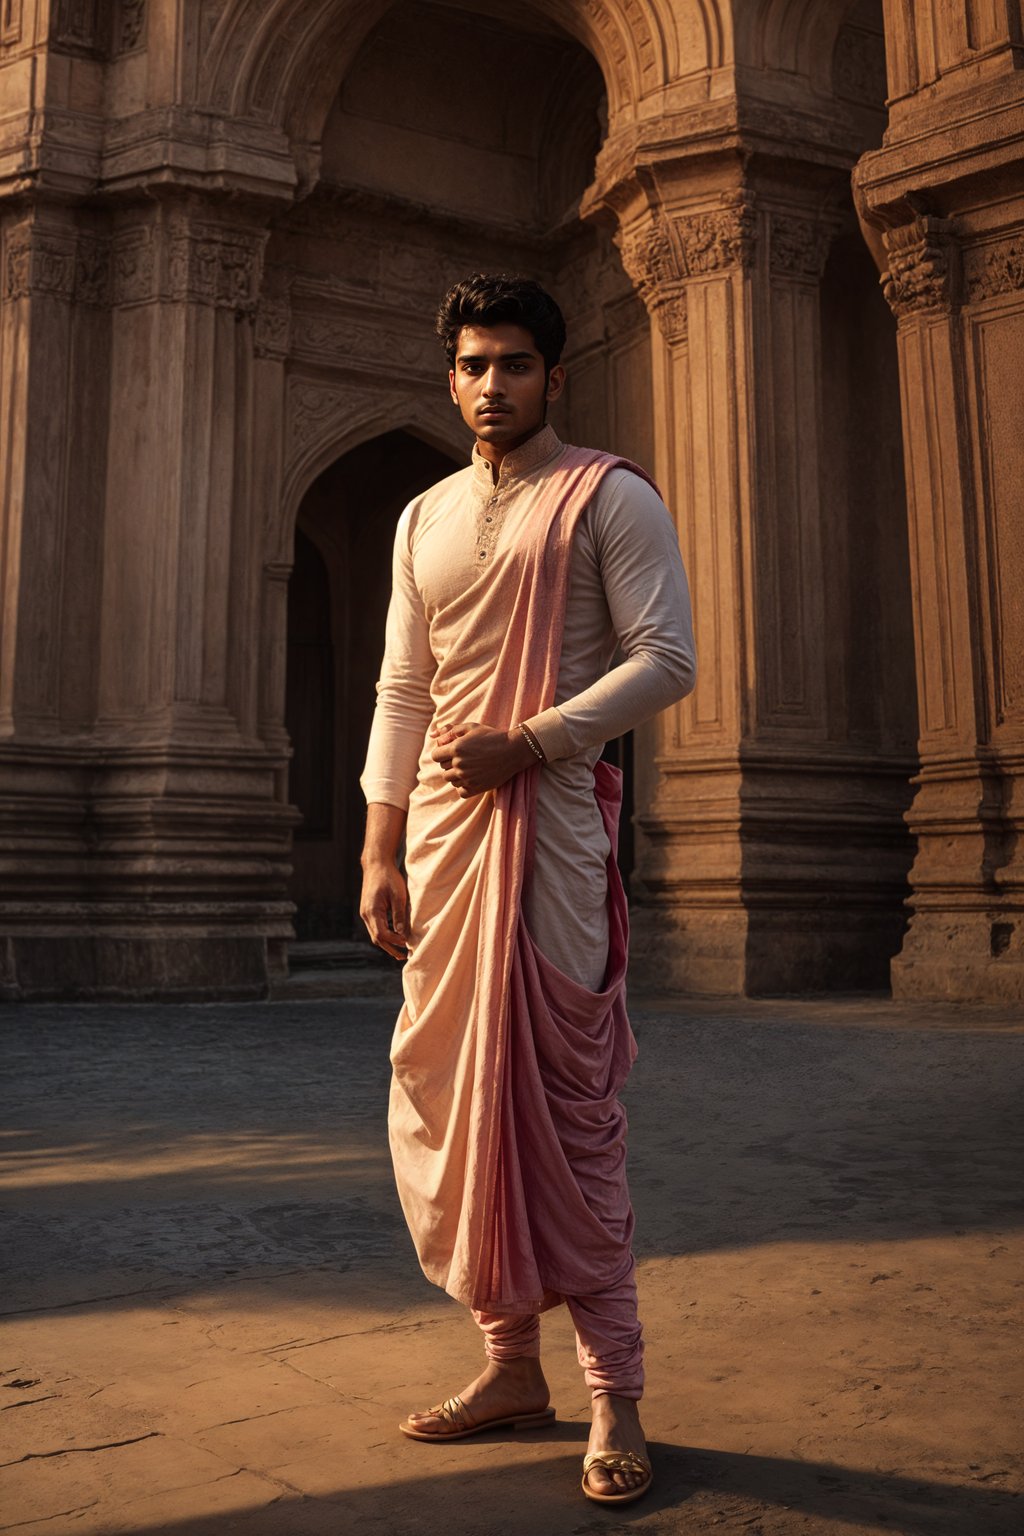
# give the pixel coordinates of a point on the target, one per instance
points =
(337, 606)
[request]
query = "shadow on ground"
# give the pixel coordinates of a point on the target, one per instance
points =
(499, 1500)
(179, 1145)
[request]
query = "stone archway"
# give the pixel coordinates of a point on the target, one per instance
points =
(338, 596)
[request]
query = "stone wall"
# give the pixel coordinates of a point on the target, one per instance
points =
(223, 230)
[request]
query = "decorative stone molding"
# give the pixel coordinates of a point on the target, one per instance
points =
(80, 26)
(133, 277)
(661, 256)
(993, 269)
(131, 26)
(10, 21)
(920, 273)
(92, 270)
(311, 407)
(339, 339)
(798, 246)
(273, 326)
(38, 262)
(214, 264)
(718, 241)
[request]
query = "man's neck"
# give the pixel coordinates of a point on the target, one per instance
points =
(494, 453)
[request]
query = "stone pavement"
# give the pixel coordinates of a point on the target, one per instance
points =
(212, 1319)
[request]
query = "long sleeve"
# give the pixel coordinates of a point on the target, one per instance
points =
(404, 704)
(648, 602)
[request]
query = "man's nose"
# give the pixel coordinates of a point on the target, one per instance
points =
(492, 382)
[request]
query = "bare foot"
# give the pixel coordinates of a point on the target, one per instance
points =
(502, 1388)
(616, 1427)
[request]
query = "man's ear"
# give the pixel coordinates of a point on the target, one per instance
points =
(451, 385)
(556, 382)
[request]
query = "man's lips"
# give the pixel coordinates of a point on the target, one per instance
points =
(492, 410)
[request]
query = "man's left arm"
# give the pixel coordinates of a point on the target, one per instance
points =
(649, 603)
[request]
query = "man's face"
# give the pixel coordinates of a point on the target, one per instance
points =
(499, 386)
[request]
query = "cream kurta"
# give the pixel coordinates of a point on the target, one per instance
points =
(627, 586)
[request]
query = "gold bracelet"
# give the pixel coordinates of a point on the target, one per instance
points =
(532, 742)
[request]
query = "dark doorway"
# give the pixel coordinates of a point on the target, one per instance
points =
(337, 606)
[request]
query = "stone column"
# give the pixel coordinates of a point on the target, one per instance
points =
(145, 837)
(947, 190)
(772, 856)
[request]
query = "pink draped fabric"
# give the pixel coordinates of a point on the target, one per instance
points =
(507, 1135)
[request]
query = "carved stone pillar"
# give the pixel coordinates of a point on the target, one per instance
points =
(773, 856)
(131, 751)
(954, 236)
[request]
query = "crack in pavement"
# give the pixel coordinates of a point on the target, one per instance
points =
(247, 1418)
(58, 1514)
(69, 1450)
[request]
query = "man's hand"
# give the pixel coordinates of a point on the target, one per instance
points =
(475, 758)
(384, 908)
(384, 905)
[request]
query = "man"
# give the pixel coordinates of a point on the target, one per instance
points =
(514, 580)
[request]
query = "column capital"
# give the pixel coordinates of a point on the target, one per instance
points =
(663, 251)
(921, 275)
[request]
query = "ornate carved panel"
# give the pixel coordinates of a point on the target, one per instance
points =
(663, 254)
(339, 339)
(799, 246)
(994, 269)
(273, 326)
(920, 275)
(38, 262)
(133, 277)
(131, 26)
(80, 26)
(214, 264)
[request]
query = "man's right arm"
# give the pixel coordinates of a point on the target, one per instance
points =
(384, 905)
(403, 713)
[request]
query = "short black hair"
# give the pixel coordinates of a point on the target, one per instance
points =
(501, 299)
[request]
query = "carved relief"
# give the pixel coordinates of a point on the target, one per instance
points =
(799, 247)
(714, 242)
(919, 275)
(273, 326)
(994, 269)
(131, 25)
(311, 407)
(213, 264)
(662, 256)
(39, 263)
(133, 277)
(79, 25)
(92, 270)
(337, 339)
(18, 266)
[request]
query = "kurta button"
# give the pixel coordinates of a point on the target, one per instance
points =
(488, 518)
(483, 554)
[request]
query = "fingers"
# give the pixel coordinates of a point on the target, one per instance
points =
(385, 914)
(384, 936)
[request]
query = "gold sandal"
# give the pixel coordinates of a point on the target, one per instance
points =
(617, 1461)
(460, 1424)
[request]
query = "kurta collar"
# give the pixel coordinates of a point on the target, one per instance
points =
(537, 450)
